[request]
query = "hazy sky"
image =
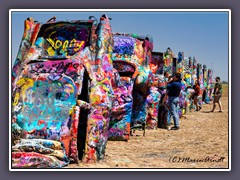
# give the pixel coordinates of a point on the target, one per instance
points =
(203, 35)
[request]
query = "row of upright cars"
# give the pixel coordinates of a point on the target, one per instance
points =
(76, 85)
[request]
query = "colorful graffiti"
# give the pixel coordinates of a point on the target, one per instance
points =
(76, 85)
(194, 71)
(159, 83)
(179, 64)
(51, 77)
(63, 38)
(200, 79)
(168, 61)
(200, 75)
(205, 97)
(205, 76)
(156, 63)
(134, 50)
(142, 87)
(187, 76)
(119, 127)
(123, 45)
(180, 69)
(40, 92)
(38, 153)
(100, 71)
(152, 108)
(210, 83)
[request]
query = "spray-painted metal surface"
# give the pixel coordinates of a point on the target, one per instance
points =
(180, 63)
(210, 84)
(75, 85)
(45, 89)
(168, 61)
(119, 127)
(141, 57)
(194, 71)
(200, 79)
(187, 76)
(131, 58)
(98, 63)
(152, 108)
(205, 76)
(156, 63)
(124, 77)
(155, 110)
(55, 63)
(200, 75)
(156, 67)
(205, 97)
(187, 85)
(190, 64)
(179, 68)
(39, 153)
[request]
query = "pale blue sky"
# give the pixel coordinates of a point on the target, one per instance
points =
(203, 35)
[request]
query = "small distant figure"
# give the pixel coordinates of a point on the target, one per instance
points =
(217, 95)
(196, 93)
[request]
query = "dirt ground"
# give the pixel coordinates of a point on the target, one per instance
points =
(201, 142)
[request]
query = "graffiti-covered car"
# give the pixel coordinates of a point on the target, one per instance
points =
(156, 90)
(131, 57)
(61, 92)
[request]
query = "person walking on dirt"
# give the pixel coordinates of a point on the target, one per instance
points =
(217, 95)
(196, 93)
(174, 89)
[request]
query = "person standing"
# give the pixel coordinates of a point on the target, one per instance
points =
(196, 93)
(217, 92)
(164, 104)
(168, 77)
(174, 89)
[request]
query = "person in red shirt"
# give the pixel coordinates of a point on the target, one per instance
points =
(196, 88)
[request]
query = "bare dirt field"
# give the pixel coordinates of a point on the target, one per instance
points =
(201, 142)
